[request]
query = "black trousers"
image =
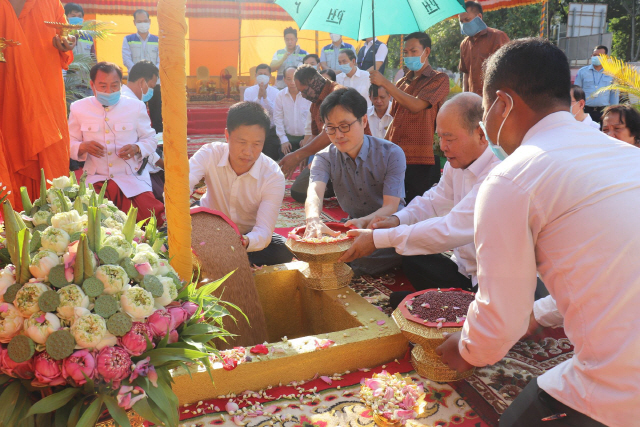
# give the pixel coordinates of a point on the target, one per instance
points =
(272, 145)
(434, 271)
(301, 184)
(155, 109)
(420, 178)
(595, 113)
(533, 404)
(275, 253)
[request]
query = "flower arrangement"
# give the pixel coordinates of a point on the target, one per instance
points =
(92, 315)
(392, 397)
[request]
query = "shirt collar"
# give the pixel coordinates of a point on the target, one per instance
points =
(128, 91)
(427, 72)
(547, 121)
(224, 161)
(372, 111)
(481, 162)
(592, 68)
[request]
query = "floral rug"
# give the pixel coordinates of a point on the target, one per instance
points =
(334, 405)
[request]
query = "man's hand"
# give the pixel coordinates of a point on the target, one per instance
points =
(285, 147)
(361, 247)
(450, 354)
(92, 148)
(316, 228)
(64, 44)
(245, 241)
(289, 163)
(377, 78)
(384, 222)
(534, 327)
(262, 91)
(358, 223)
(128, 151)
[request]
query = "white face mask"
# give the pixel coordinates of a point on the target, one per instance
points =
(262, 79)
(335, 37)
(143, 27)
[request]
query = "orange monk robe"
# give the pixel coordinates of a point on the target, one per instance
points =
(5, 176)
(32, 97)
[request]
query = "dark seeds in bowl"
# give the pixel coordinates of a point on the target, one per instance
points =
(441, 305)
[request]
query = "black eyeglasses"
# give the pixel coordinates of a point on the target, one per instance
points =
(345, 128)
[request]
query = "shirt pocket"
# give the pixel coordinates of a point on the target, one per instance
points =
(90, 130)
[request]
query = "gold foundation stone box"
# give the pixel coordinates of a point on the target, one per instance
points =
(427, 336)
(326, 332)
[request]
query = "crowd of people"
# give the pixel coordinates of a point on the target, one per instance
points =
(537, 199)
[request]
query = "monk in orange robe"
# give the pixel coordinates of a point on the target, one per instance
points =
(33, 114)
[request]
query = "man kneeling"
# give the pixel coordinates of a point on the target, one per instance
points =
(244, 184)
(112, 134)
(367, 174)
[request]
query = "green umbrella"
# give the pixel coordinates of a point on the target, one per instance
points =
(355, 19)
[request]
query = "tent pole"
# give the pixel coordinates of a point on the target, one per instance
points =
(316, 43)
(239, 39)
(373, 46)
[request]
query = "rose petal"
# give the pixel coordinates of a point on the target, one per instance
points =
(238, 420)
(441, 319)
(381, 322)
(439, 325)
(41, 319)
(231, 407)
(260, 349)
(203, 243)
(326, 379)
(68, 274)
(3, 308)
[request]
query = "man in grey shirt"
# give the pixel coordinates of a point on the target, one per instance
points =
(367, 175)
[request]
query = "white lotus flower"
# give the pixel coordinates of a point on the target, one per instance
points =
(144, 247)
(61, 183)
(170, 292)
(120, 244)
(11, 322)
(7, 278)
(113, 277)
(112, 224)
(27, 298)
(165, 268)
(89, 330)
(109, 340)
(55, 239)
(71, 297)
(86, 199)
(150, 257)
(137, 303)
(41, 217)
(40, 325)
(105, 211)
(42, 263)
(56, 206)
(71, 221)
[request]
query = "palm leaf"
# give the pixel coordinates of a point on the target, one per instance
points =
(626, 76)
(96, 29)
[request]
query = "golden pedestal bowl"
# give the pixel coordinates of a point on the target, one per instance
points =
(427, 337)
(323, 271)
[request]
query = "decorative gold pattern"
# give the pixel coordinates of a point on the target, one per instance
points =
(135, 420)
(62, 28)
(5, 43)
(423, 356)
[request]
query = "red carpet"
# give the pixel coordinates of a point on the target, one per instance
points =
(206, 119)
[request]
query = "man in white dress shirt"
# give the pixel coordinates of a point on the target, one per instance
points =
(380, 112)
(112, 134)
(290, 114)
(577, 107)
(442, 218)
(562, 203)
(352, 76)
(265, 94)
(243, 183)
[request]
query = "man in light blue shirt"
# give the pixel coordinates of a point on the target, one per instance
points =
(592, 78)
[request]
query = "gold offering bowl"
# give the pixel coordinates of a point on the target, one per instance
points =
(135, 420)
(5, 43)
(323, 272)
(63, 29)
(427, 337)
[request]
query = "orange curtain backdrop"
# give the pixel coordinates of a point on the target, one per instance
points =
(213, 43)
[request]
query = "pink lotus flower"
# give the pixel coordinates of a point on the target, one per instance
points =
(134, 341)
(48, 372)
(79, 363)
(144, 369)
(260, 349)
(4, 308)
(129, 395)
(160, 322)
(190, 308)
(16, 370)
(173, 336)
(113, 364)
(178, 316)
(69, 258)
(144, 268)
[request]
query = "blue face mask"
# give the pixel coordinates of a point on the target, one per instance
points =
(496, 148)
(147, 96)
(472, 27)
(595, 61)
(345, 68)
(108, 99)
(413, 62)
(76, 20)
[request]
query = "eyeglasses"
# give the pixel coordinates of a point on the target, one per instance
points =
(345, 128)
